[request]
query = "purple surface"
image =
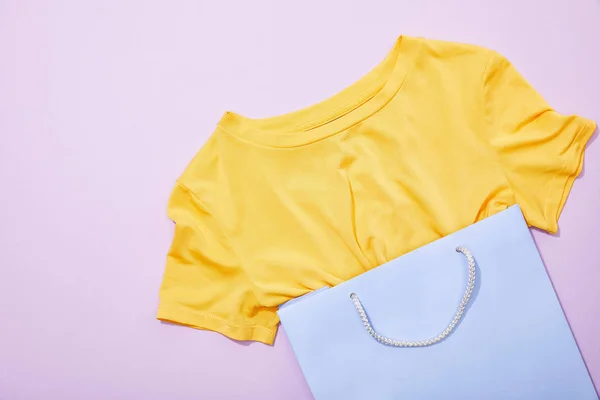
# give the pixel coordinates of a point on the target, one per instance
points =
(102, 105)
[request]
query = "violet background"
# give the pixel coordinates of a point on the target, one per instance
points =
(103, 104)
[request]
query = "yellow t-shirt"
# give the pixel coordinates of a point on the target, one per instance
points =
(436, 137)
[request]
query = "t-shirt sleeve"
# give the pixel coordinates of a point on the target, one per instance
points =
(540, 150)
(204, 284)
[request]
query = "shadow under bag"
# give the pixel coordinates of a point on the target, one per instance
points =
(470, 316)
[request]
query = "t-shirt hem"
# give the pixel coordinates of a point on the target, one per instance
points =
(206, 321)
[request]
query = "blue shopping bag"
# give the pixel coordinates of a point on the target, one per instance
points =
(509, 340)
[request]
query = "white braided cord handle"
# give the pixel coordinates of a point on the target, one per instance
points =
(442, 335)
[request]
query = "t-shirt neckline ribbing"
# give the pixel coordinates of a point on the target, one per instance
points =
(335, 114)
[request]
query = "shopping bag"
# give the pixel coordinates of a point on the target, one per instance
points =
(472, 315)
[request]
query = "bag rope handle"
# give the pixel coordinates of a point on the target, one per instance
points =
(423, 343)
